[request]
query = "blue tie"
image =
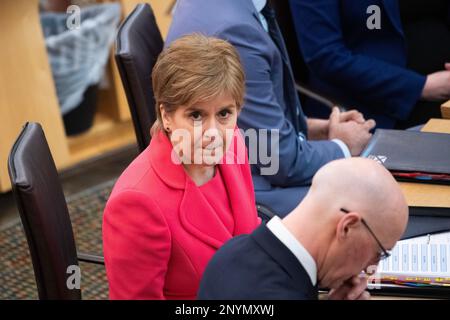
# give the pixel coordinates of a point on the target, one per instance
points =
(277, 37)
(274, 31)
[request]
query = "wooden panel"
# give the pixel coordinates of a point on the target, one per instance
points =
(445, 110)
(437, 125)
(113, 99)
(161, 8)
(104, 136)
(27, 91)
(428, 195)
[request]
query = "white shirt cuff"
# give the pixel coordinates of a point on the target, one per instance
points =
(343, 147)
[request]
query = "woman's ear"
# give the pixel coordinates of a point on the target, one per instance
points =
(238, 109)
(165, 118)
(347, 223)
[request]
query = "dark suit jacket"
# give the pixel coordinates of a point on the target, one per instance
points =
(360, 67)
(256, 266)
(270, 101)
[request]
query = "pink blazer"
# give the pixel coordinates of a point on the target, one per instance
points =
(158, 230)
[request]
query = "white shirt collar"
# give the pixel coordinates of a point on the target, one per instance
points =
(285, 236)
(259, 4)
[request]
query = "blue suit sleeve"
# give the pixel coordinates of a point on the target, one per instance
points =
(392, 89)
(298, 159)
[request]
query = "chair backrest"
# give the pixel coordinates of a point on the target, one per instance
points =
(44, 213)
(138, 45)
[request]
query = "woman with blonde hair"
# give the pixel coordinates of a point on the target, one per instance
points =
(191, 189)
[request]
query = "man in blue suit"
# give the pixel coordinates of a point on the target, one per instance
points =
(356, 53)
(271, 102)
(338, 231)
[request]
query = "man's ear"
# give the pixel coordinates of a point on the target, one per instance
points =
(347, 223)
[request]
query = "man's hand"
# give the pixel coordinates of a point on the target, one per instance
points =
(354, 134)
(437, 85)
(318, 129)
(352, 115)
(352, 289)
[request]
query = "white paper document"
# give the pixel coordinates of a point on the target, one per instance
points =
(423, 259)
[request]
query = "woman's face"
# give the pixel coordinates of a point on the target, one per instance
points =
(201, 133)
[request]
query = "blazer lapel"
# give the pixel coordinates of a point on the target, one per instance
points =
(239, 187)
(195, 213)
(160, 154)
(286, 261)
(200, 219)
(251, 7)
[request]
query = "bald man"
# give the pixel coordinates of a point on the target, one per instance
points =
(352, 216)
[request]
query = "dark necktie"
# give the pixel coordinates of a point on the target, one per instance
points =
(277, 37)
(274, 31)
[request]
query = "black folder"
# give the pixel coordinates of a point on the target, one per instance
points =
(423, 225)
(412, 156)
(410, 151)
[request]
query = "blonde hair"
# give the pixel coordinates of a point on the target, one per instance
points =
(196, 68)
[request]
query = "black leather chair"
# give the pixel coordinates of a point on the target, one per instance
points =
(44, 214)
(138, 45)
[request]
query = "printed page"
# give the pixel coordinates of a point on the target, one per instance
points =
(422, 259)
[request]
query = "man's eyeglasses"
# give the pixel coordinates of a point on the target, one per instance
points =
(384, 254)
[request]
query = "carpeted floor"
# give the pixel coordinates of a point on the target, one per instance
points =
(16, 271)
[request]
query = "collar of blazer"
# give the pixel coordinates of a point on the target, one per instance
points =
(173, 174)
(251, 6)
(160, 153)
(285, 260)
(195, 211)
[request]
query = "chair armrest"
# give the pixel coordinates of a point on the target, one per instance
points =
(318, 97)
(264, 213)
(90, 258)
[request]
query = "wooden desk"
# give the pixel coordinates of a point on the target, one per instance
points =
(425, 195)
(445, 110)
